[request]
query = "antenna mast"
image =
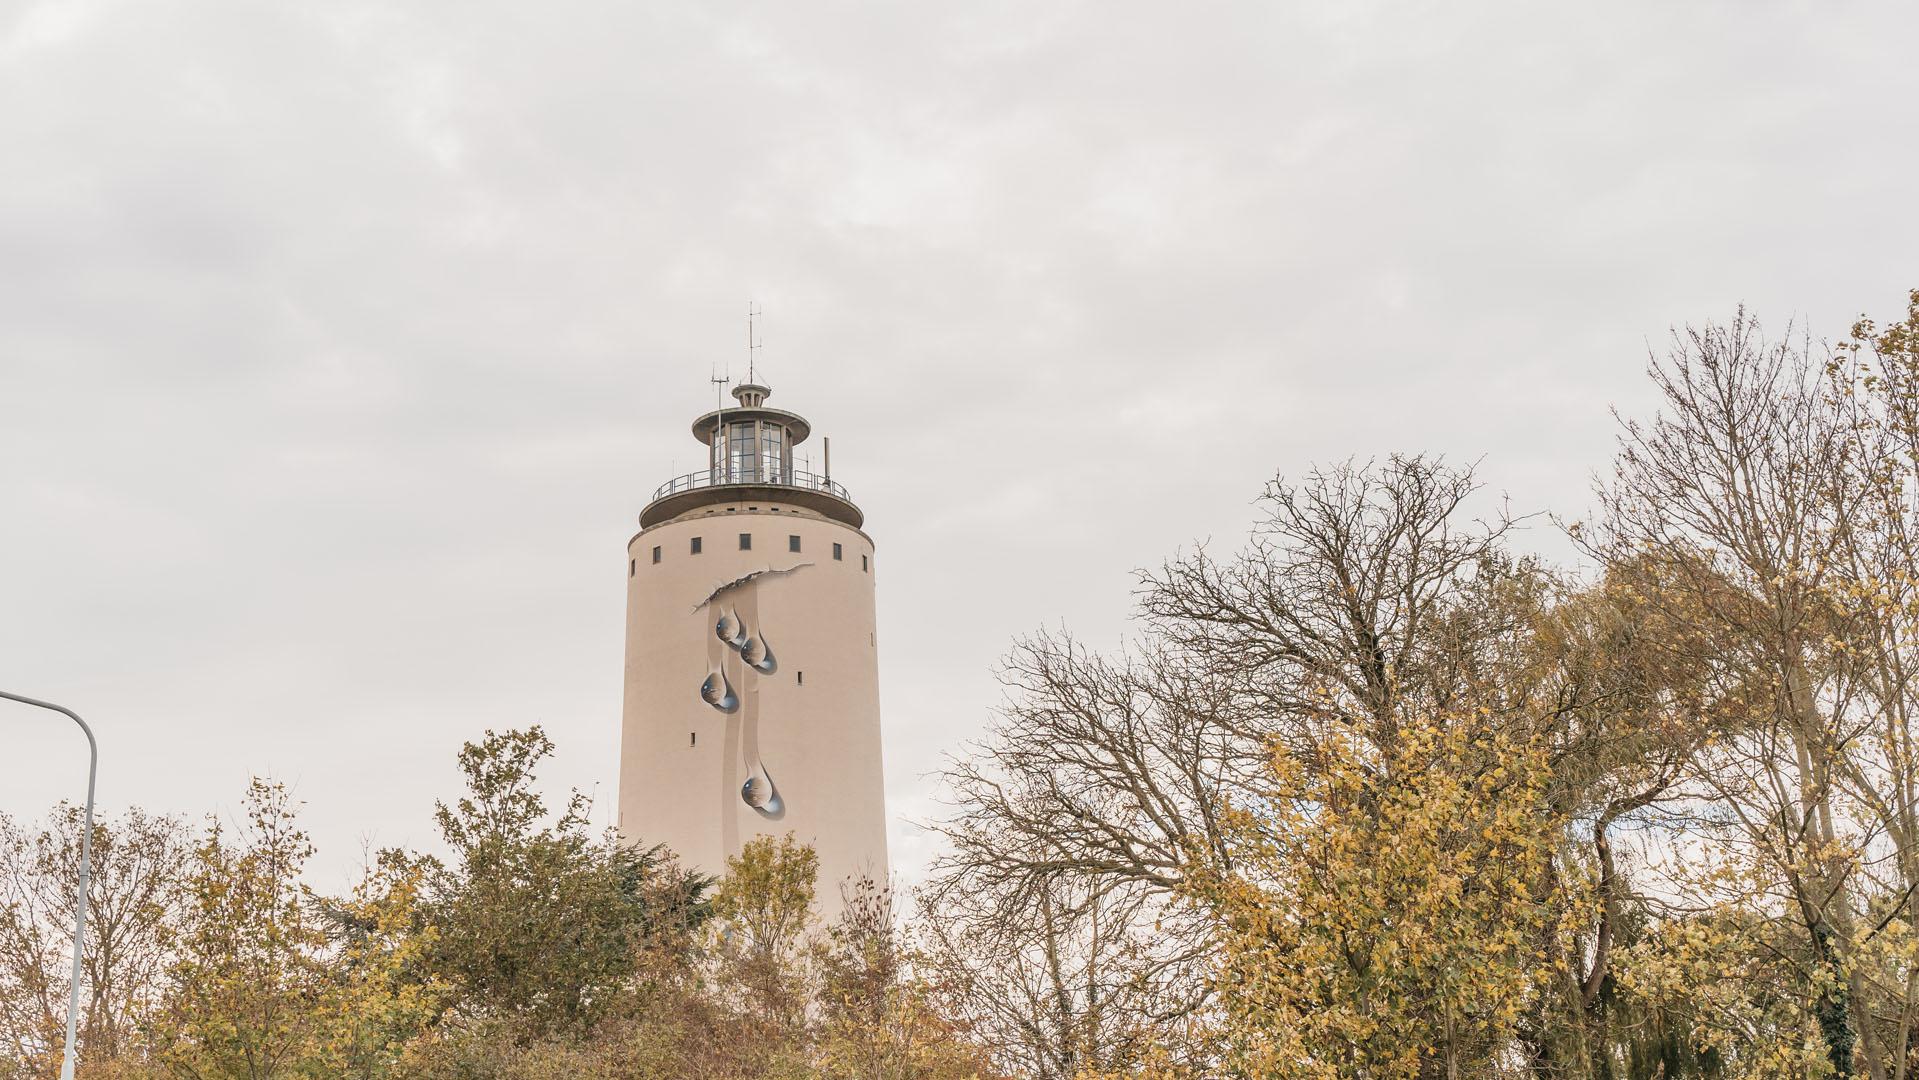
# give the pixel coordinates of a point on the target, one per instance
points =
(753, 339)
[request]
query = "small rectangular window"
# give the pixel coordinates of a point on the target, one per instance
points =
(692, 738)
(836, 551)
(746, 541)
(801, 678)
(862, 564)
(656, 553)
(696, 545)
(632, 567)
(792, 543)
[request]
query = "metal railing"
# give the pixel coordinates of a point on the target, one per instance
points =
(706, 478)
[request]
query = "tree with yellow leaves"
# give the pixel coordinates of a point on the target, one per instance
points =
(247, 982)
(1385, 915)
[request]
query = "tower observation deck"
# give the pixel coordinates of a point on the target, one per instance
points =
(750, 456)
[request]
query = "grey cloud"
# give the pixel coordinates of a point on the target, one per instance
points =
(341, 344)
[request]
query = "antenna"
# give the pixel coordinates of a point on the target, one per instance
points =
(753, 339)
(718, 465)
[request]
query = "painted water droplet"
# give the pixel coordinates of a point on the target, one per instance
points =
(759, 655)
(717, 691)
(759, 793)
(730, 629)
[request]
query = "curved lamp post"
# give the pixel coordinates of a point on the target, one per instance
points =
(86, 870)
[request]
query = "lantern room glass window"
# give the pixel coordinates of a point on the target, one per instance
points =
(773, 453)
(745, 452)
(742, 463)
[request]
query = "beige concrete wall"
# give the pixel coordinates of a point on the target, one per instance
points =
(814, 721)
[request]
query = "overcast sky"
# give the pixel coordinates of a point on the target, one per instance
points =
(341, 343)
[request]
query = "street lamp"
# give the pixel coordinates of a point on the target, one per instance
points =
(86, 870)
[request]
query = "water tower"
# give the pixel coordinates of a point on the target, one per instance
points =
(752, 676)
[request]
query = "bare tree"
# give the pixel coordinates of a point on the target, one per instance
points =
(1735, 501)
(1331, 609)
(133, 894)
(1072, 904)
(1077, 984)
(1874, 386)
(1106, 784)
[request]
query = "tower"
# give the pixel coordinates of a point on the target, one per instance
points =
(752, 676)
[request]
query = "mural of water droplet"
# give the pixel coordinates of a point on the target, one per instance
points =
(759, 655)
(717, 691)
(730, 629)
(759, 793)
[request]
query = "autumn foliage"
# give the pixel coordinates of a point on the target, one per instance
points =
(1375, 795)
(536, 949)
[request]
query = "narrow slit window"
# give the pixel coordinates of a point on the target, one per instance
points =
(746, 541)
(863, 566)
(836, 552)
(696, 545)
(632, 567)
(692, 738)
(792, 543)
(656, 553)
(801, 678)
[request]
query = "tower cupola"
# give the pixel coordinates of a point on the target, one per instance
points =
(750, 457)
